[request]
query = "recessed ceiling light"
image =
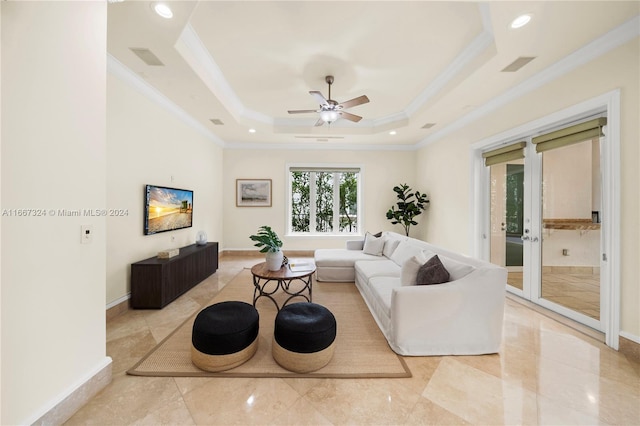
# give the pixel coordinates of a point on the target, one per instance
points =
(162, 10)
(393, 132)
(252, 130)
(520, 21)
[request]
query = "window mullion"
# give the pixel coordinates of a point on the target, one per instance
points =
(312, 202)
(336, 202)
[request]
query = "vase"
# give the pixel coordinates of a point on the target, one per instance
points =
(201, 238)
(274, 260)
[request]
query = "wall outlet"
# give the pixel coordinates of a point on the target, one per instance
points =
(86, 234)
(565, 252)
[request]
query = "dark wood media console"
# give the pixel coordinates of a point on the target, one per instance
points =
(157, 282)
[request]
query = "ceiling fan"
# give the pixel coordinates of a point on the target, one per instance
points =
(331, 110)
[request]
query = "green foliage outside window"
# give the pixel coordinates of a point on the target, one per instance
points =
(324, 183)
(300, 213)
(324, 202)
(348, 202)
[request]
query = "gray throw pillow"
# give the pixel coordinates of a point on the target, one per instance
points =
(432, 272)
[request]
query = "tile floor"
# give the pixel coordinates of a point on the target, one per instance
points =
(577, 291)
(546, 373)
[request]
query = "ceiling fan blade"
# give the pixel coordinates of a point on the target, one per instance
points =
(349, 116)
(355, 102)
(302, 111)
(319, 97)
(319, 123)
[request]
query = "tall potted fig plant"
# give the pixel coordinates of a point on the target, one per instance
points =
(409, 205)
(269, 242)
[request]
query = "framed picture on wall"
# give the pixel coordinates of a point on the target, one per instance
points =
(253, 192)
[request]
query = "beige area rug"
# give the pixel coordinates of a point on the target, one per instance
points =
(361, 349)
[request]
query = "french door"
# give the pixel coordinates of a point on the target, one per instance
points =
(545, 218)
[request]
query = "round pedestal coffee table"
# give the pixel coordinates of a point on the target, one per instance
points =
(263, 280)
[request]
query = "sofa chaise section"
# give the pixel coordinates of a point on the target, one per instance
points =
(460, 317)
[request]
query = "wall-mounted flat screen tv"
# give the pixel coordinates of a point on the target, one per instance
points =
(167, 209)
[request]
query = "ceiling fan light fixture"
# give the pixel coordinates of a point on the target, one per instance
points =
(328, 116)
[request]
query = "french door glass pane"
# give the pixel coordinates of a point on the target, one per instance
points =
(507, 207)
(571, 197)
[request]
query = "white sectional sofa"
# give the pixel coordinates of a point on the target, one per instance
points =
(460, 317)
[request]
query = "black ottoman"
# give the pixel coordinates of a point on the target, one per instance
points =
(304, 337)
(224, 336)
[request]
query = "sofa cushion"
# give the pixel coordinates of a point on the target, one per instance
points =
(432, 272)
(404, 252)
(340, 257)
(390, 244)
(373, 245)
(381, 290)
(409, 270)
(377, 268)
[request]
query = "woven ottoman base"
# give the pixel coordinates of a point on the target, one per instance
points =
(304, 337)
(215, 363)
(224, 336)
(301, 362)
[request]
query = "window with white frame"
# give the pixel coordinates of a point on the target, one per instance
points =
(324, 200)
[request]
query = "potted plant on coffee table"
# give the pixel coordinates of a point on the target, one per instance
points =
(269, 242)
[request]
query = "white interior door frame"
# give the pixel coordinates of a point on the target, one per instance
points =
(610, 169)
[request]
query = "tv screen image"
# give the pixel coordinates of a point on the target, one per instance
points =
(167, 209)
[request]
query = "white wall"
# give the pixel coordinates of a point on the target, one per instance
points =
(449, 213)
(146, 144)
(53, 157)
(382, 170)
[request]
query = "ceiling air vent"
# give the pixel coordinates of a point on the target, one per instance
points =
(324, 138)
(216, 121)
(428, 125)
(147, 56)
(518, 63)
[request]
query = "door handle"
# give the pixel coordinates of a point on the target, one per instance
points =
(534, 240)
(525, 238)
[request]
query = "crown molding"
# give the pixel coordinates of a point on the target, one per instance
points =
(479, 44)
(304, 146)
(609, 41)
(193, 51)
(117, 69)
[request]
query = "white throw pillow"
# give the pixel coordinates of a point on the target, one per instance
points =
(373, 245)
(389, 247)
(410, 268)
(403, 252)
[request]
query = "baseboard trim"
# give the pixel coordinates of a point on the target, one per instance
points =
(629, 345)
(257, 254)
(61, 409)
(118, 307)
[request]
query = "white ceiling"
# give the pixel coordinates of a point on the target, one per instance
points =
(247, 63)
